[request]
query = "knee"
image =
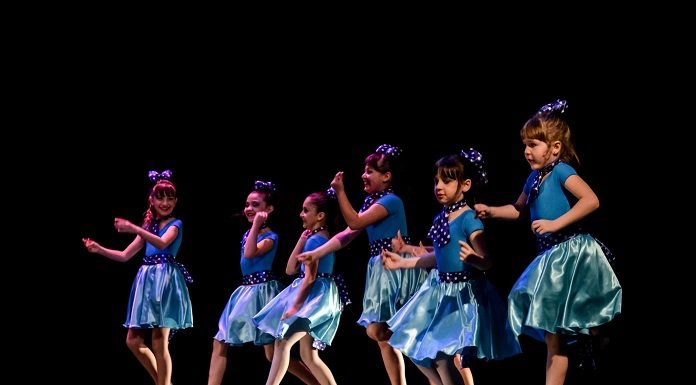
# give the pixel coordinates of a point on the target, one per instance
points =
(378, 331)
(134, 342)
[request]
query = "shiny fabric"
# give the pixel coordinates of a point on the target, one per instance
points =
(567, 289)
(319, 315)
(386, 291)
(168, 258)
(159, 298)
(450, 318)
(236, 326)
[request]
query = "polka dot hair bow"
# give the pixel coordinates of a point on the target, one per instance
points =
(388, 149)
(156, 176)
(264, 186)
(476, 159)
(559, 106)
(331, 193)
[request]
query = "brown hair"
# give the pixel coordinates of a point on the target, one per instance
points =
(549, 127)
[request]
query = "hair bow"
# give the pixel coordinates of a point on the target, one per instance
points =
(388, 149)
(264, 186)
(476, 159)
(331, 193)
(156, 176)
(559, 106)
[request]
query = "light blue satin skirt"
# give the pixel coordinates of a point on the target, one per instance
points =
(236, 326)
(319, 316)
(159, 298)
(567, 289)
(386, 291)
(443, 319)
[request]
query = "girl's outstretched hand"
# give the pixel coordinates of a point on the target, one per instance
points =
(91, 245)
(420, 250)
(400, 246)
(124, 226)
(398, 243)
(391, 260)
(307, 257)
(482, 211)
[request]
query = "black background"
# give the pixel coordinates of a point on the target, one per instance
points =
(223, 145)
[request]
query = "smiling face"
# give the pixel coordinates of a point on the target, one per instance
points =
(162, 198)
(375, 181)
(163, 205)
(255, 202)
(311, 219)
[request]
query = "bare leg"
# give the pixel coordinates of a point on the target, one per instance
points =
(394, 363)
(218, 363)
(135, 339)
(430, 374)
(448, 372)
(556, 361)
(310, 356)
(160, 347)
(464, 372)
(281, 359)
(392, 358)
(296, 367)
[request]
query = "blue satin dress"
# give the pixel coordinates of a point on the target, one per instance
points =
(387, 290)
(236, 326)
(321, 312)
(448, 318)
(569, 287)
(159, 296)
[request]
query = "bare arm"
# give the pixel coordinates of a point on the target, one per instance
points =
(116, 255)
(293, 265)
(336, 243)
(252, 249)
(355, 220)
(303, 291)
(586, 204)
(125, 226)
(507, 212)
(359, 221)
(475, 252)
(400, 246)
(393, 261)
